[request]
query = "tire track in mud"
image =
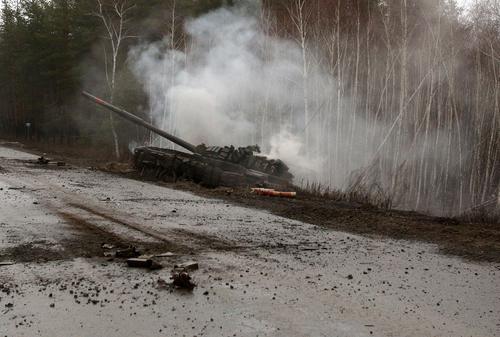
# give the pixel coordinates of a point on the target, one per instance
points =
(96, 224)
(93, 225)
(180, 238)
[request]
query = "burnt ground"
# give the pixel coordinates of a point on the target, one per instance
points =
(474, 241)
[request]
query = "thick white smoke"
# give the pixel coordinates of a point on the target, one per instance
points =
(215, 92)
(235, 84)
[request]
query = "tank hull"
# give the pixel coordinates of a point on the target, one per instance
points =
(171, 165)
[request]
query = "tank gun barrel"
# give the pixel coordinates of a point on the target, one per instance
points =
(136, 120)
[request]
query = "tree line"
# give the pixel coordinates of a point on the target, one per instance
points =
(50, 50)
(414, 92)
(414, 86)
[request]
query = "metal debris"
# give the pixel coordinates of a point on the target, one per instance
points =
(139, 263)
(190, 265)
(46, 161)
(167, 254)
(42, 160)
(273, 193)
(143, 263)
(127, 252)
(182, 279)
(107, 246)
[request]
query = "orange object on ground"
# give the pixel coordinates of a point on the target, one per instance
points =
(272, 193)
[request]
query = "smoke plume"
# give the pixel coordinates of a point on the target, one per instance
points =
(235, 84)
(216, 91)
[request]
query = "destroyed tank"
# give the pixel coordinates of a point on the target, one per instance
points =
(211, 166)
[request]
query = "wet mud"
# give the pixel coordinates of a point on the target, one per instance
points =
(259, 273)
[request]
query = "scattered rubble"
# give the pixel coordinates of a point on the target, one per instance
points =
(190, 265)
(128, 252)
(107, 246)
(6, 263)
(143, 263)
(139, 263)
(109, 254)
(282, 252)
(42, 160)
(181, 279)
(167, 254)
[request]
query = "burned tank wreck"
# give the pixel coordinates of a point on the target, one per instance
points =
(211, 166)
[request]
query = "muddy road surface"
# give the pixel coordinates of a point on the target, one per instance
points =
(259, 274)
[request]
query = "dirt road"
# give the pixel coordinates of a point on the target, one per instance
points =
(260, 274)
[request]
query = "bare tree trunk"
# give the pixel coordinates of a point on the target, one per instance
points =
(114, 21)
(299, 19)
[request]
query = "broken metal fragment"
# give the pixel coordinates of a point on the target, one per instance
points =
(182, 279)
(127, 252)
(109, 254)
(42, 160)
(167, 254)
(143, 263)
(272, 193)
(190, 265)
(139, 263)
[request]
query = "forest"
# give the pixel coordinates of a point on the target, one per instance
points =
(399, 98)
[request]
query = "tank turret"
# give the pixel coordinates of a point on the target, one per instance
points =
(209, 165)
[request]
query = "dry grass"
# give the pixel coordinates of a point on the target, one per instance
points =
(488, 212)
(372, 195)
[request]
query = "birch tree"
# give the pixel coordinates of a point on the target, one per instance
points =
(299, 16)
(115, 19)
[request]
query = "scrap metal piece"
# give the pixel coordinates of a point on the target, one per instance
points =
(190, 265)
(139, 263)
(144, 263)
(127, 252)
(42, 160)
(182, 279)
(272, 193)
